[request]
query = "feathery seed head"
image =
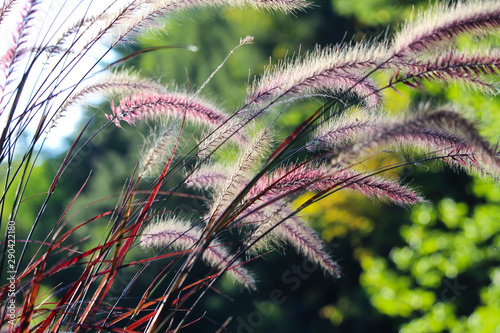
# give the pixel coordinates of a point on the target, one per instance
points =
(441, 132)
(342, 130)
(290, 179)
(139, 15)
(274, 229)
(117, 83)
(442, 23)
(242, 171)
(232, 130)
(175, 233)
(306, 242)
(466, 68)
(158, 149)
(142, 107)
(208, 177)
(329, 70)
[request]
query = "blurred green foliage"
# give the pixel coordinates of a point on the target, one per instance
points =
(450, 258)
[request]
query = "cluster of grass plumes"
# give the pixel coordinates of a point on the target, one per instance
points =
(245, 174)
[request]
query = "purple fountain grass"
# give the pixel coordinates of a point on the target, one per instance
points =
(329, 70)
(5, 9)
(441, 132)
(241, 172)
(208, 177)
(306, 241)
(320, 178)
(175, 233)
(442, 23)
(121, 22)
(339, 135)
(231, 131)
(486, 154)
(125, 82)
(465, 68)
(141, 15)
(252, 191)
(15, 51)
(277, 225)
(342, 130)
(113, 85)
(158, 150)
(264, 222)
(143, 107)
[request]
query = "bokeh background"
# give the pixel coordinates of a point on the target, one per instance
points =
(428, 268)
